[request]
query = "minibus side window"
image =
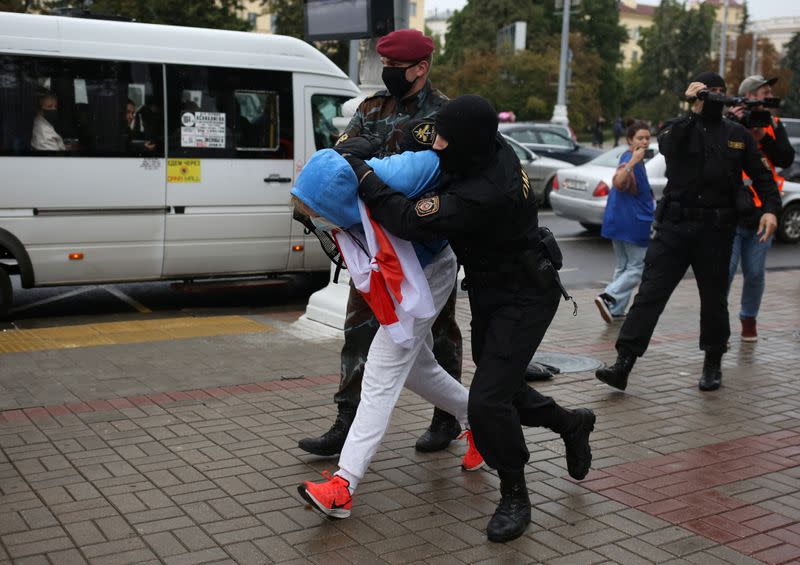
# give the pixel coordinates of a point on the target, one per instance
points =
(229, 113)
(79, 108)
(324, 109)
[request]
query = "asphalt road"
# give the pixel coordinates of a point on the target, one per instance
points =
(588, 262)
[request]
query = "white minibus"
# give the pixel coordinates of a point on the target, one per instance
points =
(136, 152)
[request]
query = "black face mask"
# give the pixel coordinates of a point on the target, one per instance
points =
(712, 111)
(395, 80)
(52, 117)
(448, 159)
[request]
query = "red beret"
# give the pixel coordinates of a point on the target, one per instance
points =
(405, 45)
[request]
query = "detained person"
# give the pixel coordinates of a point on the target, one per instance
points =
(485, 208)
(406, 285)
(626, 222)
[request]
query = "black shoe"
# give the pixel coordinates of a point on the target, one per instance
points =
(579, 452)
(617, 374)
(604, 302)
(331, 442)
(444, 428)
(540, 372)
(712, 372)
(513, 514)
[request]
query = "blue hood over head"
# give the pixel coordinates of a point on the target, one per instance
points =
(328, 185)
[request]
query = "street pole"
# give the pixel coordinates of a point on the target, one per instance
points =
(560, 111)
(753, 55)
(723, 43)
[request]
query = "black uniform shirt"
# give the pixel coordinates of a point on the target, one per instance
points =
(489, 218)
(705, 162)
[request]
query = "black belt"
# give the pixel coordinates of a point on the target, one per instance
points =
(496, 279)
(678, 213)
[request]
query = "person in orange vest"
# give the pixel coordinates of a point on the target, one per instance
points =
(749, 245)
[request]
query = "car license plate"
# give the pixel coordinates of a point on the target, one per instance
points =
(573, 184)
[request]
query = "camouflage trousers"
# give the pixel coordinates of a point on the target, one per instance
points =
(360, 327)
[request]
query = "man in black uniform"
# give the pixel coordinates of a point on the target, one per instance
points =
(705, 156)
(409, 96)
(485, 207)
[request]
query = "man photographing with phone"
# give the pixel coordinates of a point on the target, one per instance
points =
(750, 245)
(695, 221)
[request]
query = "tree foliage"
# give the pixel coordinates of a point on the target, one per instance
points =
(791, 62)
(674, 49)
(217, 14)
(768, 64)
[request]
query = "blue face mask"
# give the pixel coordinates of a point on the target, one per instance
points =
(324, 224)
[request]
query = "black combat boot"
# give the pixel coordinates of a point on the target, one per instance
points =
(513, 514)
(444, 428)
(617, 374)
(576, 442)
(331, 442)
(712, 372)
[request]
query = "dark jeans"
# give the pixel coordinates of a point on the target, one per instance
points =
(507, 326)
(360, 326)
(677, 246)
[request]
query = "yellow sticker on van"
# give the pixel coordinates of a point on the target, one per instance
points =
(183, 170)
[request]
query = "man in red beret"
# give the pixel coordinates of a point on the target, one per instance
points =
(406, 58)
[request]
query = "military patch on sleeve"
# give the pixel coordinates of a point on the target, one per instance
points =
(736, 144)
(424, 133)
(766, 163)
(343, 137)
(427, 206)
(526, 184)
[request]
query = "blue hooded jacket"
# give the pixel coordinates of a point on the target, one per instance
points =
(328, 185)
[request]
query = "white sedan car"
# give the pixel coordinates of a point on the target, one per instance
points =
(580, 193)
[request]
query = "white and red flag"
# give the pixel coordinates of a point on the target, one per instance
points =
(386, 271)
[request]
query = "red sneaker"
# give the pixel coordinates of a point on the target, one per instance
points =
(331, 497)
(749, 332)
(472, 459)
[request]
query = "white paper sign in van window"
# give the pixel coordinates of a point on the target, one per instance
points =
(203, 129)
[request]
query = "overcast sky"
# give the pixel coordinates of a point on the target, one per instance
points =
(759, 9)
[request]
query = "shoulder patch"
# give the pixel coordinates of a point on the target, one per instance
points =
(427, 206)
(424, 133)
(343, 137)
(736, 144)
(766, 163)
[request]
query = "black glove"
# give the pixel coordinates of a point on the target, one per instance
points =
(362, 146)
(360, 168)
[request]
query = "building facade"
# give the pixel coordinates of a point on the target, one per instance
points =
(778, 30)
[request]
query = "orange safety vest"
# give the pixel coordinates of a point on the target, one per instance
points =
(775, 176)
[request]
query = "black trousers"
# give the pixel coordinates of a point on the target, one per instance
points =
(360, 327)
(508, 325)
(677, 246)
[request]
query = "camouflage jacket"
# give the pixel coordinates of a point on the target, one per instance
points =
(384, 115)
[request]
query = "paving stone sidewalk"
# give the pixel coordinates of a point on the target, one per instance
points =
(185, 452)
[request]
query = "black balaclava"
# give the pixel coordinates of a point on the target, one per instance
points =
(469, 124)
(712, 111)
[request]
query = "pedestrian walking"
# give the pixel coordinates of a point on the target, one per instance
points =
(627, 220)
(409, 95)
(705, 156)
(619, 130)
(485, 208)
(750, 247)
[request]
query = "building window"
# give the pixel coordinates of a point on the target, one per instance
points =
(412, 9)
(636, 32)
(634, 56)
(252, 19)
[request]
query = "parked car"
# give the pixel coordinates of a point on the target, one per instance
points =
(545, 141)
(563, 129)
(789, 221)
(580, 193)
(541, 170)
(792, 126)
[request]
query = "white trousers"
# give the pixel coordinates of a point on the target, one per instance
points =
(390, 367)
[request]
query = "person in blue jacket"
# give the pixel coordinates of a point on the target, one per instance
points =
(327, 192)
(626, 222)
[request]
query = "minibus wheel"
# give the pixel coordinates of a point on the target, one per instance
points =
(5, 293)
